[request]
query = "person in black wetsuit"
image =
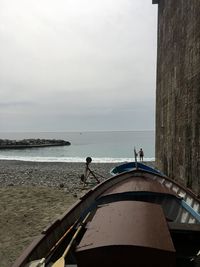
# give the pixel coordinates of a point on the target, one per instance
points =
(141, 154)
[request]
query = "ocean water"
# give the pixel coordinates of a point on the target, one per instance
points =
(111, 146)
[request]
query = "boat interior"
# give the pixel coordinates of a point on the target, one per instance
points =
(136, 221)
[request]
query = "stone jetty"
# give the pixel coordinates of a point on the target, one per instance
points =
(31, 143)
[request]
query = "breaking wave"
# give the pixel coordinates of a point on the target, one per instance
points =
(70, 159)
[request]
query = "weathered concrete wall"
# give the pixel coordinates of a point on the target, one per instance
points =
(178, 90)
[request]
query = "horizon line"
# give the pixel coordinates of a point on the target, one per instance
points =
(78, 131)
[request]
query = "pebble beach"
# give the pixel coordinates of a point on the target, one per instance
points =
(48, 174)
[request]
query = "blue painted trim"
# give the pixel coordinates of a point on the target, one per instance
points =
(195, 214)
(126, 167)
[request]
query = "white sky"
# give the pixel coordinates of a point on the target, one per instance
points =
(77, 65)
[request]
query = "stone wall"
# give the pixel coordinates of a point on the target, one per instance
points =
(178, 91)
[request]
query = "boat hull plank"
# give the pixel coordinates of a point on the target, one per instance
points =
(139, 184)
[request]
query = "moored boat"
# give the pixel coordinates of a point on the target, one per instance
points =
(136, 218)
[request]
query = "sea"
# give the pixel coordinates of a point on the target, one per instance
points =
(101, 146)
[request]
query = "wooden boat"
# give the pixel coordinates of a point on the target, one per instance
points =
(136, 218)
(129, 166)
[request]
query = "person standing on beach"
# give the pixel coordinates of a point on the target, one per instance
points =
(141, 154)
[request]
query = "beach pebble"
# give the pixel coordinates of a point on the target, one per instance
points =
(51, 174)
(48, 174)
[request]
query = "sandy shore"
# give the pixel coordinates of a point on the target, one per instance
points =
(32, 195)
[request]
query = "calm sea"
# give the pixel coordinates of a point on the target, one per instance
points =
(112, 146)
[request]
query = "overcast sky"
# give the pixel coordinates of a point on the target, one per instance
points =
(76, 65)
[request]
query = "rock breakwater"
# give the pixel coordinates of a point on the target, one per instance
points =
(29, 143)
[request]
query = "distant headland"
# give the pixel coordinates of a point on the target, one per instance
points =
(31, 143)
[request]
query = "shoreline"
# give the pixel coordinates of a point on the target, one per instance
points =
(73, 159)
